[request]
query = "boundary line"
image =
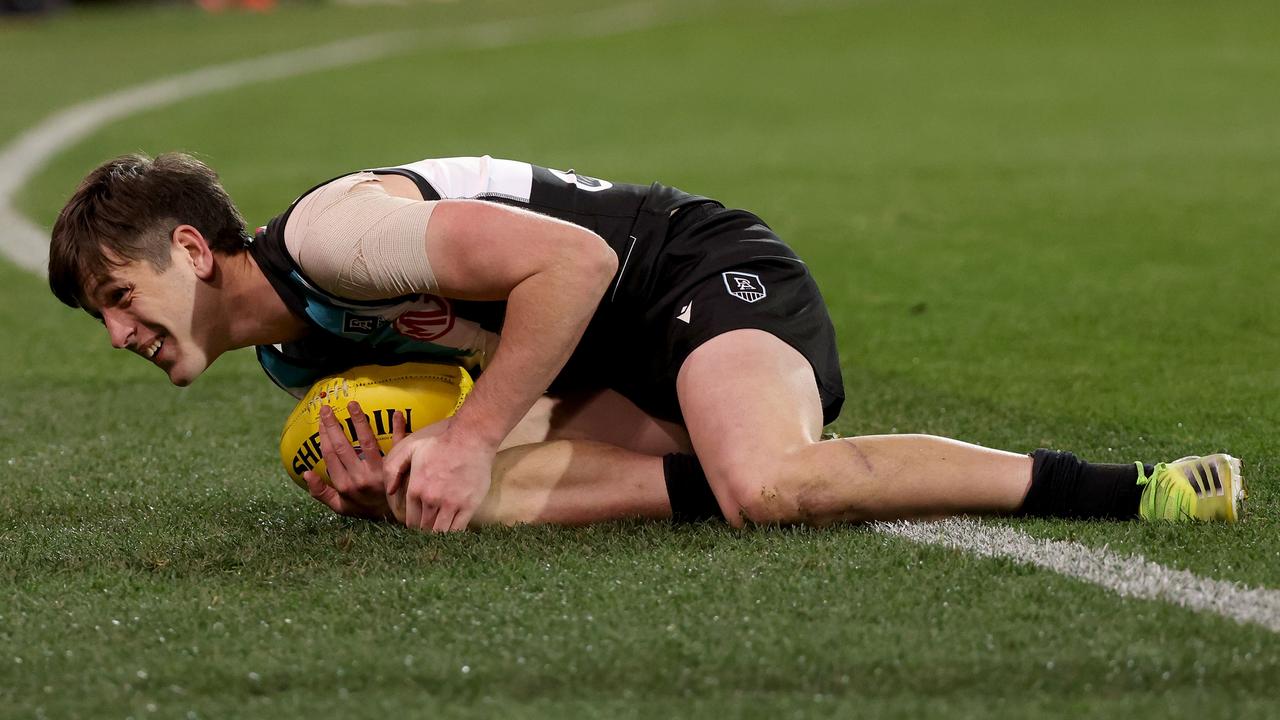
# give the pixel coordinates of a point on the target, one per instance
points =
(1129, 576)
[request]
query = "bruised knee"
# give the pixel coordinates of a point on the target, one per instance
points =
(763, 494)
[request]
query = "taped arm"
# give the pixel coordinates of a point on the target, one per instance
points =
(355, 240)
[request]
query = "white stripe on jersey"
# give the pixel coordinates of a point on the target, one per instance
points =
(476, 177)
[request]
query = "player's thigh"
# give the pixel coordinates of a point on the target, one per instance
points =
(749, 401)
(603, 416)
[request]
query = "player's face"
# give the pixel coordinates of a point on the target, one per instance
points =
(154, 313)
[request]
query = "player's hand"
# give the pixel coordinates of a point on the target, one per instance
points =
(357, 482)
(397, 493)
(443, 476)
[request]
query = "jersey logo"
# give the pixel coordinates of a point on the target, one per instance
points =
(686, 313)
(428, 324)
(359, 324)
(583, 182)
(744, 286)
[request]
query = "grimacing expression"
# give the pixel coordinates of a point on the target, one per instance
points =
(152, 312)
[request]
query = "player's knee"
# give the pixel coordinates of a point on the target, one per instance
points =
(769, 504)
(760, 493)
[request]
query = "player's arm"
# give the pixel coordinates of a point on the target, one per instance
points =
(552, 275)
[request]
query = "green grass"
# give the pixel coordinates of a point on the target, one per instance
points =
(1036, 226)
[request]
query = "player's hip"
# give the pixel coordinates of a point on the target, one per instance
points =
(721, 270)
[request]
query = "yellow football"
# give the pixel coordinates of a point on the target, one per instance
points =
(424, 392)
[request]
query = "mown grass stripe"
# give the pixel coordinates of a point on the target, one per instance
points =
(1131, 576)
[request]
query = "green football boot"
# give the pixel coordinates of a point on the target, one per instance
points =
(1193, 488)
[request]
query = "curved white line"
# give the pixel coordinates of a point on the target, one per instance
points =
(1126, 575)
(26, 243)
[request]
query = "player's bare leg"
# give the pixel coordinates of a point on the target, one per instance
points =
(570, 461)
(573, 482)
(603, 416)
(582, 459)
(753, 412)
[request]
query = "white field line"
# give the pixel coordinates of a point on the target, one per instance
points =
(1130, 576)
(26, 244)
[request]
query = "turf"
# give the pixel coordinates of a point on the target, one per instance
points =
(1037, 225)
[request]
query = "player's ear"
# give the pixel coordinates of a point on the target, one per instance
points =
(189, 244)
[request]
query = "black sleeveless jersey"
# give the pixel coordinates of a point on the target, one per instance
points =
(632, 219)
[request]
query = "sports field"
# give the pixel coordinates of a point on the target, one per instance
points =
(1037, 225)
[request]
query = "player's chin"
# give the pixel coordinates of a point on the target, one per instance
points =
(184, 372)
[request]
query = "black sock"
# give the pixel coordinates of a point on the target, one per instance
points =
(1065, 486)
(688, 489)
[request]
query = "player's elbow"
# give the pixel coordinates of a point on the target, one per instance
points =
(584, 265)
(595, 262)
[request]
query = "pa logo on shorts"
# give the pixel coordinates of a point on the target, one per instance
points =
(744, 286)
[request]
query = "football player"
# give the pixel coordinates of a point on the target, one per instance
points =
(638, 350)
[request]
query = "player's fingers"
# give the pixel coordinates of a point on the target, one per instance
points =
(427, 522)
(396, 501)
(368, 442)
(396, 466)
(337, 439)
(422, 490)
(444, 520)
(461, 520)
(323, 492)
(412, 511)
(337, 471)
(398, 425)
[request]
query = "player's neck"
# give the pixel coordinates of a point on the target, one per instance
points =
(256, 315)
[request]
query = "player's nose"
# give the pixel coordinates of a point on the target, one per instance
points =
(121, 332)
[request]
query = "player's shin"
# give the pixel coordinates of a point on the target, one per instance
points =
(1065, 486)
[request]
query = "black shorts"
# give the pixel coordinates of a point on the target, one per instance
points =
(719, 270)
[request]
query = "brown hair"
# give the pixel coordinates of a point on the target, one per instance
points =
(126, 210)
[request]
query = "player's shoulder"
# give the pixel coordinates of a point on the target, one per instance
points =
(466, 177)
(330, 192)
(326, 225)
(427, 179)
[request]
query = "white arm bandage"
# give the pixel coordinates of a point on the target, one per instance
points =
(354, 240)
